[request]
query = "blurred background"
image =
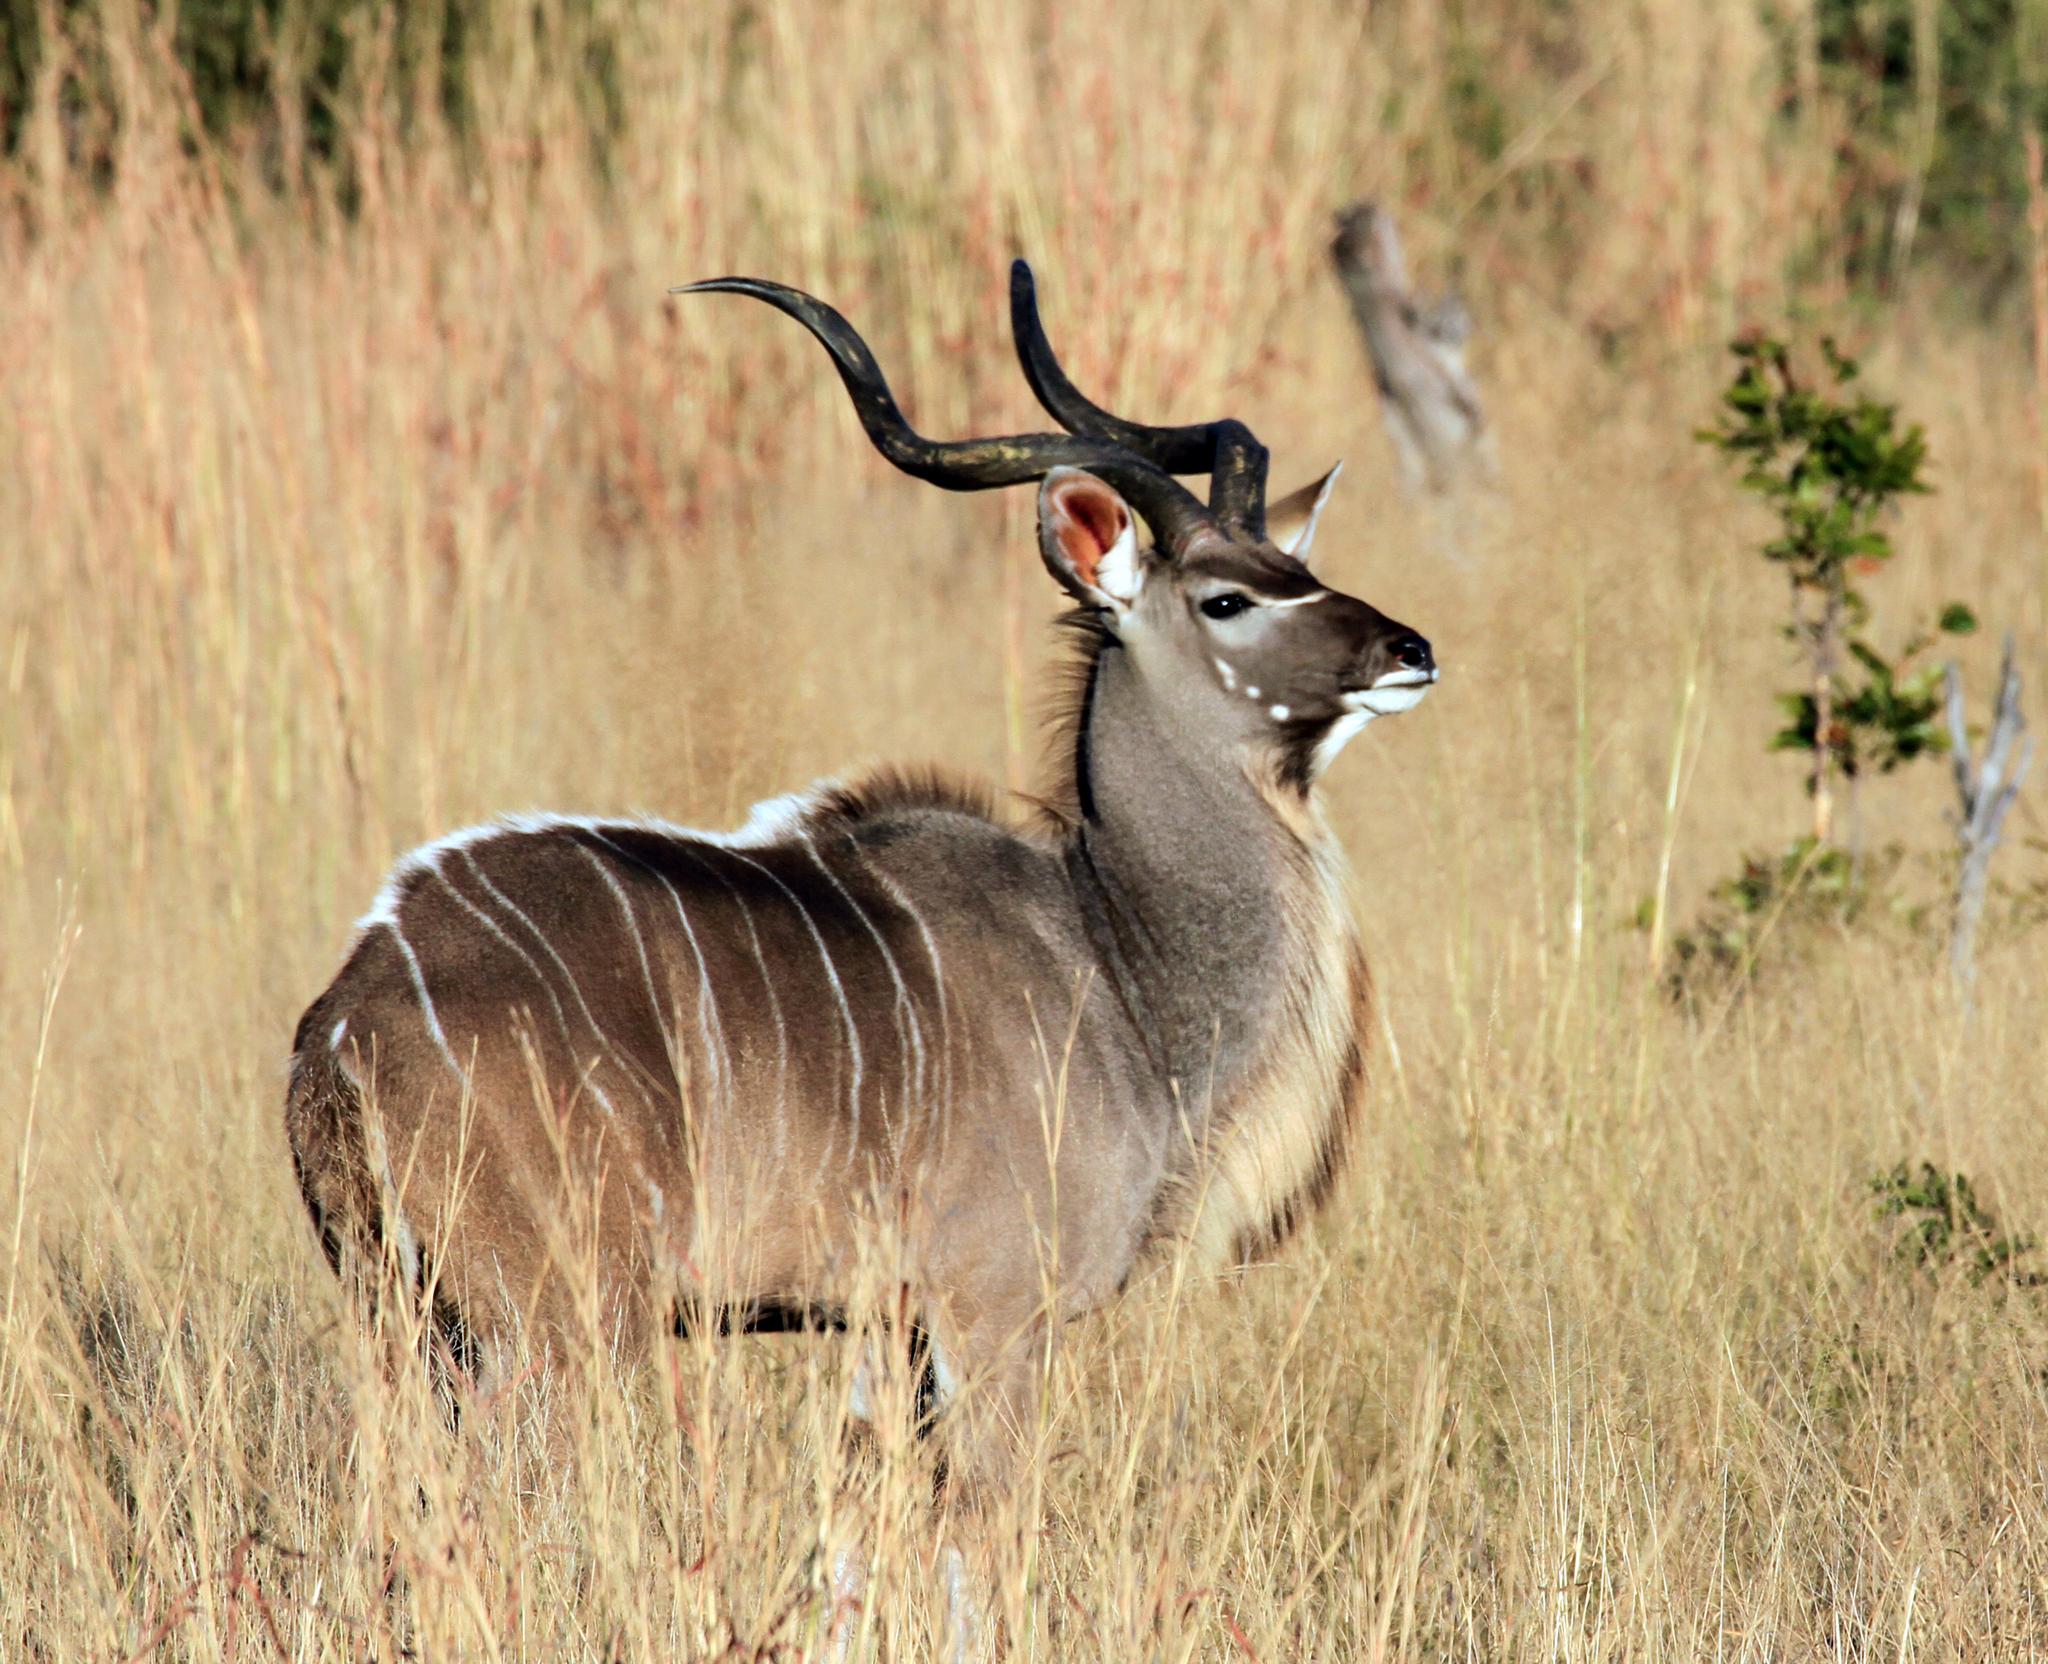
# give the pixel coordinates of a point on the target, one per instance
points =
(360, 479)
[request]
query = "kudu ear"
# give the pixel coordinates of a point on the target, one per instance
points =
(1089, 539)
(1291, 522)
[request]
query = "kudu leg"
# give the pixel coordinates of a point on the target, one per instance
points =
(847, 1587)
(848, 1596)
(891, 1387)
(979, 1414)
(990, 1385)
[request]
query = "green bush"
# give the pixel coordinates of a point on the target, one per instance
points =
(1831, 464)
(1947, 1226)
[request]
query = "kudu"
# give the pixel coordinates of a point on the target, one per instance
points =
(1034, 1052)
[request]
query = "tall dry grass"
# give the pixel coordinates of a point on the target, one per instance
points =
(339, 515)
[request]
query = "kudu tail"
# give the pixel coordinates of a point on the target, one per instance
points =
(327, 1124)
(324, 1124)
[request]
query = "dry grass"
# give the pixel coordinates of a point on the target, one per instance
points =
(326, 530)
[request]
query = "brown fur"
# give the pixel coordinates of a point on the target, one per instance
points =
(325, 1128)
(1063, 717)
(1275, 1149)
(893, 786)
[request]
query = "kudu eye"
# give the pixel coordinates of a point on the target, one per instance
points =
(1227, 605)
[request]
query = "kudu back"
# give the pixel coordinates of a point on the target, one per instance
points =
(1031, 1052)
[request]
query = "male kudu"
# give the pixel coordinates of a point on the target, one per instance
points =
(1032, 1051)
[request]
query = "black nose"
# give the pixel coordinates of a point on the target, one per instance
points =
(1411, 652)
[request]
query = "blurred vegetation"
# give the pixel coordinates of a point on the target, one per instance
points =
(261, 68)
(1946, 1225)
(1793, 899)
(1936, 94)
(1930, 98)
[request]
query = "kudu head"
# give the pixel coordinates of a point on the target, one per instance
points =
(1215, 602)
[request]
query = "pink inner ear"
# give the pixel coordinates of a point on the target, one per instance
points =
(1091, 518)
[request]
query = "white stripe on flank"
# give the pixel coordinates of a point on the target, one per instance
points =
(419, 983)
(498, 931)
(662, 1019)
(663, 1022)
(838, 988)
(568, 976)
(716, 1055)
(931, 948)
(905, 1009)
(547, 947)
(768, 825)
(774, 1003)
(588, 1073)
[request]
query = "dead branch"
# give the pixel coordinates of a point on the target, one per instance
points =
(1431, 405)
(1986, 791)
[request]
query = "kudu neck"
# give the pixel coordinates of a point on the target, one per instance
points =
(1192, 865)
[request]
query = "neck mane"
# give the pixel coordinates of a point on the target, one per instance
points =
(1220, 904)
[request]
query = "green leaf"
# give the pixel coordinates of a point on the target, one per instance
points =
(1830, 462)
(1957, 619)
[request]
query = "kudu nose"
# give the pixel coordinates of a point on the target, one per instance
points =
(1411, 652)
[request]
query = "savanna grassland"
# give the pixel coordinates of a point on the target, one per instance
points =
(359, 479)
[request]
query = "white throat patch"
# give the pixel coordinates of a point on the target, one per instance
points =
(1340, 734)
(1397, 691)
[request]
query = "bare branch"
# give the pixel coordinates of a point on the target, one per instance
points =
(1431, 405)
(1986, 791)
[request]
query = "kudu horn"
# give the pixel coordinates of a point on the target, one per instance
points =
(1172, 511)
(1225, 450)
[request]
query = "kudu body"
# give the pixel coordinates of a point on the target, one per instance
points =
(1031, 1052)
